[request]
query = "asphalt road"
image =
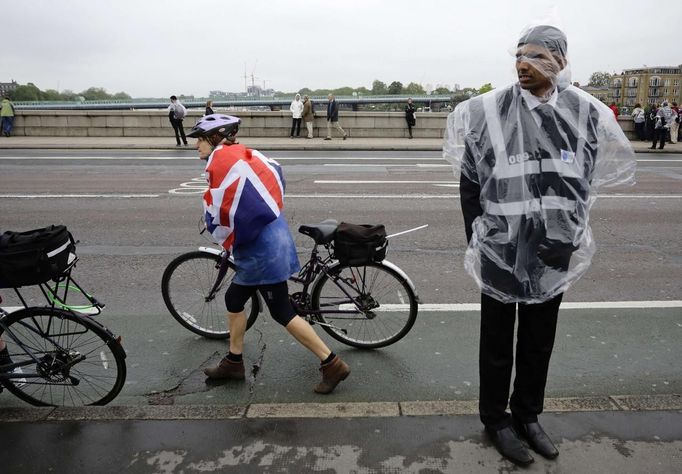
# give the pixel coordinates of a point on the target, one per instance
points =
(134, 212)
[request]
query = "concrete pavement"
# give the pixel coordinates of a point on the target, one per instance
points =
(264, 143)
(353, 440)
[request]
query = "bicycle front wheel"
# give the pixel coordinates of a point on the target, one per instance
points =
(67, 359)
(186, 285)
(368, 306)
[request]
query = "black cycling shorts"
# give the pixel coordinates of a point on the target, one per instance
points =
(276, 297)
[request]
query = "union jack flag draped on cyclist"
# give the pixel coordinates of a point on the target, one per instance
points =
(245, 193)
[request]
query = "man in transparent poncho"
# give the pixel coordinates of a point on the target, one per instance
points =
(530, 158)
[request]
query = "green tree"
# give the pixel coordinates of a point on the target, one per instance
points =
(599, 79)
(121, 96)
(27, 92)
(379, 88)
(51, 94)
(442, 91)
(68, 95)
(95, 93)
(343, 91)
(485, 88)
(395, 88)
(414, 89)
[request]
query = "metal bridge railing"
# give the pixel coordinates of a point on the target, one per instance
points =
(230, 102)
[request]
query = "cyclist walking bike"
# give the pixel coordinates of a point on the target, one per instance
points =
(243, 211)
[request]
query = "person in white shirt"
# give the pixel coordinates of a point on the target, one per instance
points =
(639, 117)
(296, 109)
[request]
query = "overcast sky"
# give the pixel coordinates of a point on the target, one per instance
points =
(157, 48)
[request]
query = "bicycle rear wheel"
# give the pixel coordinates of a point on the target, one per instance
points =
(368, 306)
(70, 360)
(186, 284)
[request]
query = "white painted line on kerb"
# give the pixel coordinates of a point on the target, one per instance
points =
(77, 196)
(460, 307)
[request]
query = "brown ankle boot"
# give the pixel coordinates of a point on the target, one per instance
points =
(332, 373)
(226, 369)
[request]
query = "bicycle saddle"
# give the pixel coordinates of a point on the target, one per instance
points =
(321, 233)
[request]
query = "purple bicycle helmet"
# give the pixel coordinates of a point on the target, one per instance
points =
(215, 124)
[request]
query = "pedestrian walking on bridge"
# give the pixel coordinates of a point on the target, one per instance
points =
(333, 118)
(530, 158)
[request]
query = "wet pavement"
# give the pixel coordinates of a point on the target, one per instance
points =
(622, 442)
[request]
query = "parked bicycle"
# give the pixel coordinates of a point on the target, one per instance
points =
(367, 305)
(56, 354)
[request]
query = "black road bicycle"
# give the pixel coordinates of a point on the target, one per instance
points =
(366, 306)
(59, 355)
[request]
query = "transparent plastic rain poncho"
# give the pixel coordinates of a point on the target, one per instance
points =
(538, 173)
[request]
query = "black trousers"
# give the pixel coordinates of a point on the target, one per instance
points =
(179, 131)
(660, 135)
(535, 341)
(296, 124)
(639, 131)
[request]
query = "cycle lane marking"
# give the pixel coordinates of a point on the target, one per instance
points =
(56, 196)
(462, 307)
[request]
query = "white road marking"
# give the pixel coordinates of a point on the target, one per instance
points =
(98, 158)
(79, 196)
(460, 307)
(196, 158)
(198, 190)
(282, 158)
(377, 181)
(371, 196)
(92, 311)
(660, 160)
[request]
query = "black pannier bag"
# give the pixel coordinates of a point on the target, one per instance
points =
(35, 256)
(356, 244)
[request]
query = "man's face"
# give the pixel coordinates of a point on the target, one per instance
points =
(537, 68)
(204, 148)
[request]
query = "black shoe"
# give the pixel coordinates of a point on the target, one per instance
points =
(660, 147)
(510, 446)
(652, 148)
(537, 439)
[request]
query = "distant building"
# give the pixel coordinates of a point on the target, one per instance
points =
(601, 93)
(647, 85)
(7, 87)
(217, 94)
(258, 91)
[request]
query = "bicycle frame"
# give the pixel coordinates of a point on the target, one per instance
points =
(314, 268)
